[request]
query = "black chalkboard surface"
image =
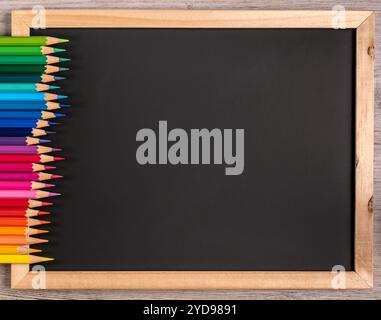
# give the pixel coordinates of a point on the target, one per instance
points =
(292, 208)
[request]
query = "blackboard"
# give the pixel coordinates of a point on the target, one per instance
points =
(292, 91)
(293, 207)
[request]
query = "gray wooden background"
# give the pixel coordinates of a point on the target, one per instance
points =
(6, 6)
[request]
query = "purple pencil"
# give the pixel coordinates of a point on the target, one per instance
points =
(21, 141)
(26, 149)
(27, 176)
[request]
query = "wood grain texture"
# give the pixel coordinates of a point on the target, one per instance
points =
(6, 293)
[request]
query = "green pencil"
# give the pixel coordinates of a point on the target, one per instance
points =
(30, 41)
(28, 51)
(11, 68)
(31, 59)
(25, 87)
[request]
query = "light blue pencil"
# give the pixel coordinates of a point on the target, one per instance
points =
(39, 96)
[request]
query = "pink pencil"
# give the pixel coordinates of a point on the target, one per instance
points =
(26, 149)
(29, 194)
(23, 185)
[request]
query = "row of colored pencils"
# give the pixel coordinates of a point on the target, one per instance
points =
(26, 66)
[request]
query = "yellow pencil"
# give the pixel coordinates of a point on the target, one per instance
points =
(20, 231)
(24, 259)
(17, 250)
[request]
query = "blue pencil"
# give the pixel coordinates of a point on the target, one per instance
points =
(31, 105)
(23, 132)
(39, 96)
(21, 123)
(29, 115)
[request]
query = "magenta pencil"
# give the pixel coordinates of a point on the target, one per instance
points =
(23, 167)
(26, 149)
(29, 194)
(23, 185)
(27, 176)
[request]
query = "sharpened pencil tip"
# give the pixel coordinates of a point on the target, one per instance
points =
(59, 96)
(55, 50)
(57, 78)
(45, 204)
(50, 167)
(49, 185)
(59, 115)
(65, 105)
(63, 40)
(49, 132)
(53, 194)
(56, 176)
(58, 158)
(64, 59)
(51, 123)
(56, 149)
(43, 213)
(63, 69)
(44, 141)
(46, 259)
(53, 87)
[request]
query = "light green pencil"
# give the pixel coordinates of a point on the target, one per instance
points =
(36, 60)
(28, 51)
(25, 87)
(30, 41)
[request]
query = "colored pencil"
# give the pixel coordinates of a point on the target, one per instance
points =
(30, 41)
(26, 149)
(28, 51)
(25, 87)
(20, 114)
(17, 250)
(21, 141)
(35, 60)
(24, 167)
(32, 194)
(20, 231)
(27, 176)
(23, 185)
(38, 68)
(22, 259)
(22, 203)
(21, 222)
(31, 105)
(35, 158)
(26, 123)
(29, 77)
(30, 96)
(23, 132)
(21, 212)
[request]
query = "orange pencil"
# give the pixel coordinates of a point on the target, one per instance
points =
(21, 222)
(20, 231)
(17, 250)
(20, 240)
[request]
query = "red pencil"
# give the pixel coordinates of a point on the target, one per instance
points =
(23, 167)
(21, 212)
(22, 203)
(23, 185)
(35, 158)
(20, 222)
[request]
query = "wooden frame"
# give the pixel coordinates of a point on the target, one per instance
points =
(362, 21)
